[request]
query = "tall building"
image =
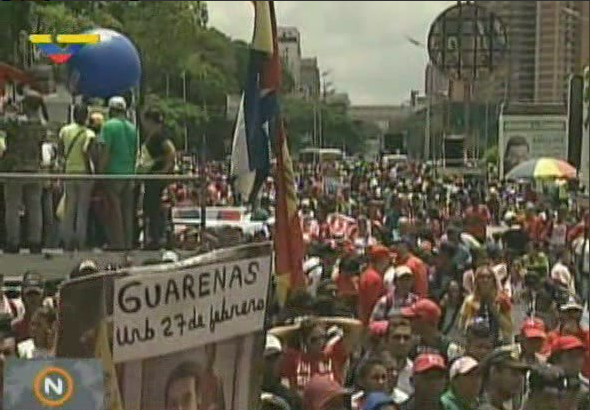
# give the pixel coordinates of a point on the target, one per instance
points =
(310, 78)
(558, 47)
(289, 41)
(516, 81)
(548, 41)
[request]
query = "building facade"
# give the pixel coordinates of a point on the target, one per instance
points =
(548, 41)
(289, 42)
(310, 78)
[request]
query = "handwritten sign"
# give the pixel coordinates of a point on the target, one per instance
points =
(166, 312)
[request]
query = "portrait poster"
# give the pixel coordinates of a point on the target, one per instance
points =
(191, 334)
(524, 137)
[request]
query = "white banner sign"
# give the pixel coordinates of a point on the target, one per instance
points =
(161, 313)
(524, 137)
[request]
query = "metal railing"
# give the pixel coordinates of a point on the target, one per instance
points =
(30, 176)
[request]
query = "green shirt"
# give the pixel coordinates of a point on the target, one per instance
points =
(451, 402)
(120, 139)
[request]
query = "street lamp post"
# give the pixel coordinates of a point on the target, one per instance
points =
(429, 100)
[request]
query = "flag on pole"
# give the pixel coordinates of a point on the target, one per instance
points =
(250, 159)
(288, 239)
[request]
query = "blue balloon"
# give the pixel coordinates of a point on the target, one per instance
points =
(104, 69)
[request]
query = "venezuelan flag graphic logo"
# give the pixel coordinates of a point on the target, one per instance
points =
(65, 46)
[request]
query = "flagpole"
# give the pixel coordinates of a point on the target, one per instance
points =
(204, 176)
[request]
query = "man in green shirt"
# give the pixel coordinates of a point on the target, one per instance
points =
(465, 385)
(120, 140)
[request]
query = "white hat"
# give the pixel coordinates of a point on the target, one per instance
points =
(402, 271)
(273, 345)
(118, 103)
(463, 366)
(170, 256)
(88, 265)
(571, 304)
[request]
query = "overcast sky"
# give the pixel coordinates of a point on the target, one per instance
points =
(362, 43)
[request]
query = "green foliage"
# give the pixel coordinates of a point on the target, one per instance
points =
(173, 38)
(177, 113)
(492, 155)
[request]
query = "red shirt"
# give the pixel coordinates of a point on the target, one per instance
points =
(371, 288)
(299, 367)
(20, 327)
(476, 220)
(420, 271)
(533, 226)
(583, 335)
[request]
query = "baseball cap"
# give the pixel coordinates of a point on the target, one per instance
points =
(378, 251)
(378, 327)
(118, 103)
(429, 361)
(571, 304)
(566, 344)
(463, 365)
(533, 328)
(507, 356)
(424, 309)
(273, 346)
(320, 391)
(402, 271)
(376, 400)
(170, 257)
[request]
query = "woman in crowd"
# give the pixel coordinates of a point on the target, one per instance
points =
(488, 301)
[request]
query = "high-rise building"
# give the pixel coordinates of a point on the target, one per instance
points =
(548, 41)
(310, 78)
(516, 80)
(289, 41)
(558, 47)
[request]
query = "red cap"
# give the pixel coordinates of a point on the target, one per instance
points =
(379, 251)
(533, 328)
(424, 309)
(378, 327)
(429, 361)
(566, 343)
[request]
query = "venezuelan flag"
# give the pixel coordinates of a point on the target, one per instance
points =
(259, 122)
(250, 162)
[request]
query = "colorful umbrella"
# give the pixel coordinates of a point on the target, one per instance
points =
(540, 168)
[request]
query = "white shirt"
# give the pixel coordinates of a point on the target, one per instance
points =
(388, 278)
(6, 308)
(404, 378)
(561, 273)
(558, 235)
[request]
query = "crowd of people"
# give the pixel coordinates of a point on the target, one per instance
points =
(423, 292)
(431, 293)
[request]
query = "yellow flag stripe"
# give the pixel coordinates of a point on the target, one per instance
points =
(78, 38)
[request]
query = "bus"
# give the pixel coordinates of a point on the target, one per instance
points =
(320, 155)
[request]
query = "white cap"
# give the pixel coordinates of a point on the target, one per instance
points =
(571, 304)
(403, 270)
(509, 216)
(88, 264)
(273, 345)
(463, 366)
(118, 103)
(170, 256)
